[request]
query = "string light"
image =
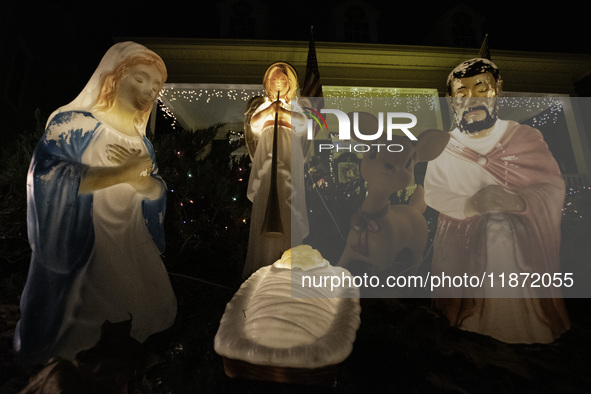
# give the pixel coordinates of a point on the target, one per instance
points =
(570, 208)
(172, 93)
(168, 114)
(408, 99)
(547, 109)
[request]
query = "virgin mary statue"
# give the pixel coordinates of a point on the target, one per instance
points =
(95, 212)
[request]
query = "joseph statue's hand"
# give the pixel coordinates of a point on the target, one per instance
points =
(493, 198)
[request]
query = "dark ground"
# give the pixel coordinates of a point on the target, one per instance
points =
(400, 347)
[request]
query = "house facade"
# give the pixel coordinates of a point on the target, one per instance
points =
(210, 81)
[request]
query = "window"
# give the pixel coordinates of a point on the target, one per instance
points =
(242, 19)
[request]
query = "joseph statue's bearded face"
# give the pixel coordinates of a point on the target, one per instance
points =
(474, 101)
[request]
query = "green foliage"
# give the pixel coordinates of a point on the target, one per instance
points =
(575, 248)
(207, 214)
(15, 157)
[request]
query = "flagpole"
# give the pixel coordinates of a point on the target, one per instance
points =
(484, 50)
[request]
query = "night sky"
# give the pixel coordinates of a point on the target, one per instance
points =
(53, 47)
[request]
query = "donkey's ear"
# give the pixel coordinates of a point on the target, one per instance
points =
(368, 124)
(430, 144)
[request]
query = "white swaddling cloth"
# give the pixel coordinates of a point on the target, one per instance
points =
(273, 320)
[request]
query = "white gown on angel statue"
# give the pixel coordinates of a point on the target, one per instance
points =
(262, 250)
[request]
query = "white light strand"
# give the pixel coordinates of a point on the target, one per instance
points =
(203, 95)
(194, 95)
(551, 107)
(363, 98)
(167, 113)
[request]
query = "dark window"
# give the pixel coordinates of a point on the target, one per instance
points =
(242, 22)
(356, 25)
(463, 32)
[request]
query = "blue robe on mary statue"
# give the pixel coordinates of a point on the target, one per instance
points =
(95, 256)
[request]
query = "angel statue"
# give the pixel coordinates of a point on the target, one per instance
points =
(278, 115)
(95, 212)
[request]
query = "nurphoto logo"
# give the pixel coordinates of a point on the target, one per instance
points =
(402, 121)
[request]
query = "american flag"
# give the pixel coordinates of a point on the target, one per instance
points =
(312, 84)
